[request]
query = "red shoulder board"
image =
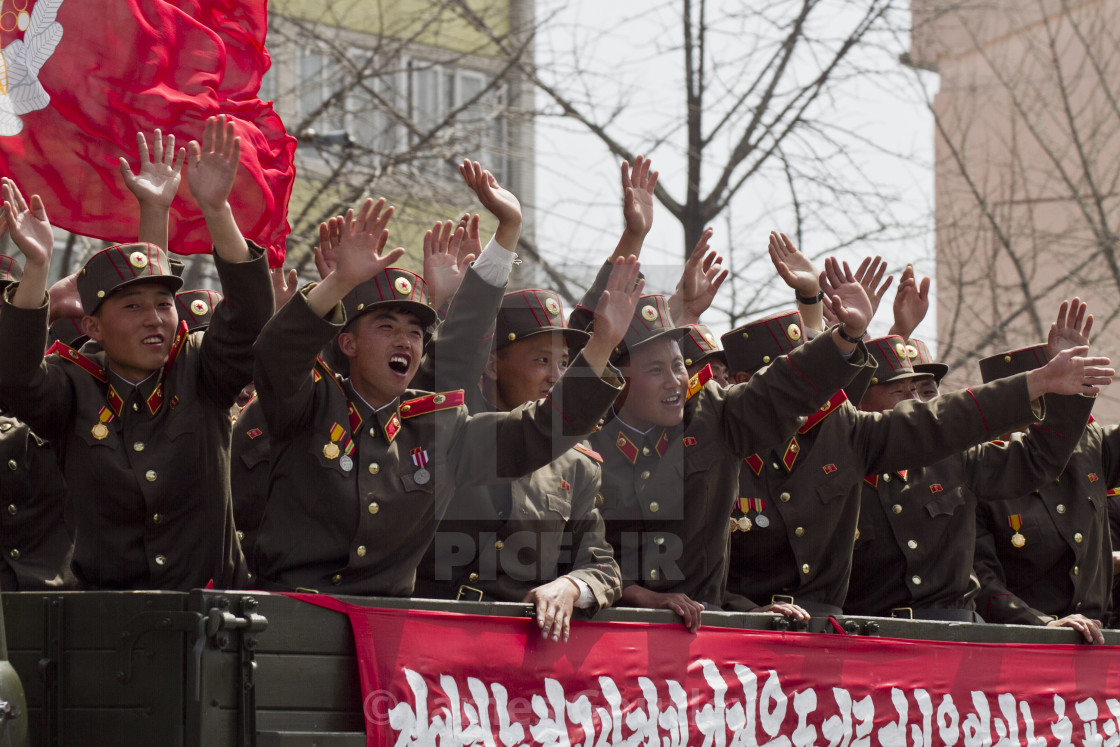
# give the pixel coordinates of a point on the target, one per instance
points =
(872, 480)
(431, 403)
(327, 374)
(589, 452)
(697, 382)
(70, 354)
(176, 347)
(826, 409)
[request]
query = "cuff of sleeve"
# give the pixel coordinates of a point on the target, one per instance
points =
(495, 263)
(586, 598)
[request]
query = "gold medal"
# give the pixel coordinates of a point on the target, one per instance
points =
(100, 431)
(744, 524)
(734, 525)
(1018, 540)
(330, 451)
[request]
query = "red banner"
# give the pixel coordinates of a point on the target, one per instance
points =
(79, 79)
(437, 678)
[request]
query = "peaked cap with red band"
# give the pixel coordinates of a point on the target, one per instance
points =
(651, 321)
(893, 359)
(196, 307)
(394, 286)
(121, 266)
(924, 362)
(699, 344)
(758, 343)
(10, 271)
(525, 313)
(1012, 362)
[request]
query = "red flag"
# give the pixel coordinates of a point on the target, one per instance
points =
(80, 79)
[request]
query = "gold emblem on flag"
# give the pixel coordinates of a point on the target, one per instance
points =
(139, 260)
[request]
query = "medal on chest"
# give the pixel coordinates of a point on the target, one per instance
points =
(340, 447)
(1015, 521)
(101, 430)
(758, 505)
(420, 459)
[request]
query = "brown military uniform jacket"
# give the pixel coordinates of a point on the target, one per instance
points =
(810, 485)
(364, 529)
(667, 493)
(917, 530)
(34, 536)
(150, 487)
(1064, 563)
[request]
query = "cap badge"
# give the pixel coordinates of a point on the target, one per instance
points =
(551, 306)
(199, 307)
(794, 332)
(911, 351)
(139, 260)
(711, 340)
(901, 350)
(403, 286)
(649, 313)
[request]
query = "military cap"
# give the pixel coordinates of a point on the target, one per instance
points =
(893, 359)
(393, 286)
(1012, 362)
(759, 343)
(196, 307)
(529, 312)
(699, 344)
(651, 321)
(924, 361)
(68, 331)
(177, 266)
(119, 267)
(10, 271)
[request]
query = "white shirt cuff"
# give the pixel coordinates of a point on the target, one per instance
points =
(494, 263)
(586, 598)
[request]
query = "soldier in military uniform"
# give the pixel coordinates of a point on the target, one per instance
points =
(1046, 558)
(363, 468)
(801, 499)
(701, 348)
(144, 425)
(675, 440)
(34, 537)
(536, 537)
(917, 529)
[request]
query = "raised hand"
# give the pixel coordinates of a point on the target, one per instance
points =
(28, 225)
(703, 275)
(911, 303)
(637, 195)
(324, 254)
(1070, 372)
(794, 268)
(362, 238)
(847, 297)
(869, 274)
(284, 286)
(470, 246)
(64, 298)
(1071, 329)
(501, 203)
(160, 173)
(213, 164)
(614, 313)
(443, 273)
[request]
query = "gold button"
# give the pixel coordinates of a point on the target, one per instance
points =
(138, 446)
(406, 408)
(654, 507)
(150, 475)
(473, 577)
(12, 464)
(896, 508)
(241, 538)
(805, 569)
(12, 509)
(765, 359)
(439, 399)
(1076, 570)
(157, 518)
(374, 508)
(361, 551)
(775, 465)
(161, 560)
(784, 497)
(374, 468)
(101, 294)
(800, 531)
(653, 574)
(688, 361)
(1078, 538)
(15, 554)
(5, 427)
(645, 474)
(373, 432)
(645, 451)
(499, 545)
(135, 407)
(659, 540)
(1060, 508)
(857, 534)
(336, 579)
(912, 544)
(1007, 359)
(511, 336)
(886, 478)
(917, 580)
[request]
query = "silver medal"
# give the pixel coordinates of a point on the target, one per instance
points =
(762, 521)
(422, 476)
(346, 463)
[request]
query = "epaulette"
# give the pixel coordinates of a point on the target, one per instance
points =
(70, 354)
(177, 347)
(826, 409)
(697, 382)
(588, 452)
(327, 373)
(431, 403)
